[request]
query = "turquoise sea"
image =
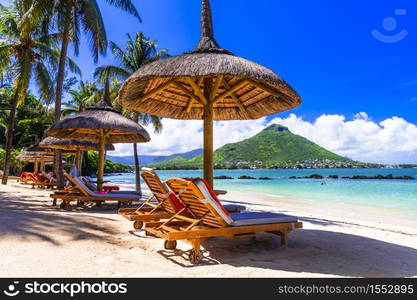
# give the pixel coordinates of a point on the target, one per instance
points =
(395, 195)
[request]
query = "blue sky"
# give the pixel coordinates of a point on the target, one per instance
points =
(359, 91)
(323, 48)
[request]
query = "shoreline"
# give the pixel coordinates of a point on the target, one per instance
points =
(359, 215)
(316, 207)
(355, 168)
(99, 243)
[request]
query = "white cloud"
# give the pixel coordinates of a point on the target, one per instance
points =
(180, 136)
(393, 140)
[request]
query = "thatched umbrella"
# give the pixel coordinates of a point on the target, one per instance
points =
(209, 83)
(39, 149)
(37, 158)
(40, 155)
(100, 124)
(75, 145)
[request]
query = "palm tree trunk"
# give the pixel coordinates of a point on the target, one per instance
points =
(9, 139)
(136, 158)
(22, 84)
(58, 98)
(137, 167)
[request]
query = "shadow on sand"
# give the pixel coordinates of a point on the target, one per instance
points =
(309, 251)
(27, 218)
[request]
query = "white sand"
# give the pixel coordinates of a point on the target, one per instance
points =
(37, 239)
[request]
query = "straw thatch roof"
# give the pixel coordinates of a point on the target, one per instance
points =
(47, 151)
(32, 156)
(38, 149)
(63, 144)
(173, 87)
(86, 125)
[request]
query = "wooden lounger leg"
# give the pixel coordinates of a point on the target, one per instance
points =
(64, 204)
(284, 238)
(196, 256)
(283, 235)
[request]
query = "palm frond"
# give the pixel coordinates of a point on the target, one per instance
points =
(8, 24)
(73, 66)
(127, 6)
(138, 52)
(21, 83)
(119, 54)
(4, 55)
(44, 82)
(108, 71)
(93, 26)
(52, 55)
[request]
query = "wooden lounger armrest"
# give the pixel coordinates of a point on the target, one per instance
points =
(145, 217)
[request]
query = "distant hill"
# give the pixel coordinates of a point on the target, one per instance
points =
(272, 147)
(149, 159)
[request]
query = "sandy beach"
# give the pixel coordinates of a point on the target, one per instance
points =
(38, 240)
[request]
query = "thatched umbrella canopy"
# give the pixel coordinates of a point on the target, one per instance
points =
(209, 83)
(48, 150)
(38, 149)
(101, 124)
(40, 154)
(39, 159)
(75, 145)
(64, 144)
(31, 155)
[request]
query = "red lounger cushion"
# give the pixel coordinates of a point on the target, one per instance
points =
(211, 191)
(33, 177)
(177, 202)
(111, 188)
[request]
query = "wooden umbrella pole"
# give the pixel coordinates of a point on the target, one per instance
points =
(80, 163)
(101, 158)
(208, 132)
(42, 165)
(35, 167)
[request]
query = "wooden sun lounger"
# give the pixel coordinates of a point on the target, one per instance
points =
(24, 178)
(160, 206)
(80, 193)
(207, 220)
(49, 177)
(31, 179)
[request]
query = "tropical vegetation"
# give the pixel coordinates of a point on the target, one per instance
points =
(27, 53)
(90, 161)
(35, 39)
(138, 52)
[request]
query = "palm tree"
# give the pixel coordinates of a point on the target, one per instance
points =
(71, 17)
(5, 96)
(25, 52)
(81, 98)
(137, 53)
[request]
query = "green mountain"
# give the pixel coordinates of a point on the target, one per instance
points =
(274, 146)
